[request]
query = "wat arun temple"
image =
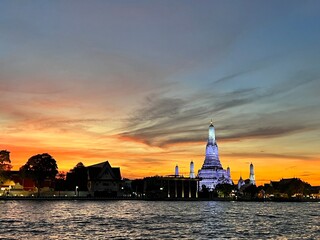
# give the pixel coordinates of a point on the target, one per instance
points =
(212, 172)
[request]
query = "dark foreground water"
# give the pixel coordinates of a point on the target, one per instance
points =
(158, 220)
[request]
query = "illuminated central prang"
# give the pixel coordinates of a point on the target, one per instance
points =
(212, 135)
(212, 172)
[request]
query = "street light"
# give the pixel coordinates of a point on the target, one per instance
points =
(77, 191)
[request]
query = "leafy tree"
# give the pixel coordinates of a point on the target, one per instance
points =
(204, 193)
(5, 160)
(39, 168)
(61, 175)
(224, 189)
(152, 187)
(269, 189)
(60, 182)
(251, 191)
(5, 164)
(78, 176)
(137, 186)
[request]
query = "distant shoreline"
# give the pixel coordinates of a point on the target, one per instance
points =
(74, 198)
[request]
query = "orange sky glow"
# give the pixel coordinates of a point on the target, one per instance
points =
(138, 160)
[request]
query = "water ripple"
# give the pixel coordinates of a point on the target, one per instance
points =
(158, 220)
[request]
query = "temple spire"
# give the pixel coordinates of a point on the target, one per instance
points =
(251, 176)
(212, 137)
(192, 175)
(176, 171)
(212, 155)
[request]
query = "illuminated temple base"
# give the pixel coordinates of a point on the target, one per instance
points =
(211, 178)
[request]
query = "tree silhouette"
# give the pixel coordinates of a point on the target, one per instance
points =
(39, 168)
(204, 192)
(224, 189)
(78, 176)
(5, 160)
(4, 164)
(60, 182)
(251, 191)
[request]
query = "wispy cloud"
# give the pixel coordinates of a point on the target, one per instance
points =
(265, 155)
(265, 132)
(165, 121)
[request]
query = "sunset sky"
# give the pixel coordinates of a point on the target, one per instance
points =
(137, 83)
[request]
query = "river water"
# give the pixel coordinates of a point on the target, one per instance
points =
(158, 220)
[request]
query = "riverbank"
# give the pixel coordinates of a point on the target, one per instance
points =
(76, 198)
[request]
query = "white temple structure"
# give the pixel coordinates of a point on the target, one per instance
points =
(252, 177)
(192, 175)
(212, 172)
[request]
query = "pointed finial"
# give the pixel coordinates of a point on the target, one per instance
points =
(211, 123)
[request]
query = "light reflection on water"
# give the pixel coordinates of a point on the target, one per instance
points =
(158, 220)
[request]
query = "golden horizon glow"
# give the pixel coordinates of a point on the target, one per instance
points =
(139, 160)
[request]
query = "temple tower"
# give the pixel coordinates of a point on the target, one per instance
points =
(192, 175)
(252, 177)
(212, 172)
(212, 156)
(176, 172)
(240, 183)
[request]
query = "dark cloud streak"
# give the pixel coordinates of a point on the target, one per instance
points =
(163, 121)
